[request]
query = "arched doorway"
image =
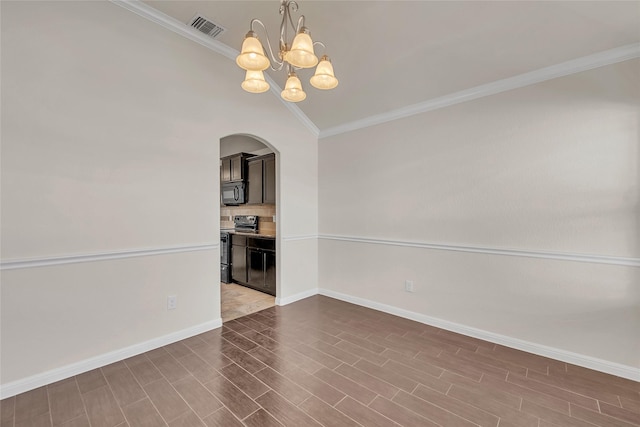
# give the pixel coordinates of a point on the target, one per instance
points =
(249, 280)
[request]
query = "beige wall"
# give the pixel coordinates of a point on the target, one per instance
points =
(552, 167)
(110, 144)
(234, 144)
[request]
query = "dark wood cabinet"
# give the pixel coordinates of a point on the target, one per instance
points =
(261, 272)
(255, 272)
(254, 262)
(270, 272)
(261, 180)
(225, 170)
(239, 259)
(254, 182)
(269, 180)
(232, 168)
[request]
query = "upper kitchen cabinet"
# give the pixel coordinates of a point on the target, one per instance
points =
(261, 180)
(232, 168)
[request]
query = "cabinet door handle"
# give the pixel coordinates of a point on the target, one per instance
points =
(264, 269)
(236, 193)
(247, 262)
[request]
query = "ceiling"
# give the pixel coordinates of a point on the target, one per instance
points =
(392, 54)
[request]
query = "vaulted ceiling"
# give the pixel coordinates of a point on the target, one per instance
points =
(391, 55)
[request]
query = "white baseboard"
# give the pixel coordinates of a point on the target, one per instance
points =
(35, 381)
(30, 383)
(297, 297)
(629, 372)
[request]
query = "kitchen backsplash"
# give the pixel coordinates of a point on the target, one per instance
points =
(265, 214)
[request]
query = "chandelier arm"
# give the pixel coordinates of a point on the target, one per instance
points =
(324, 48)
(292, 6)
(286, 7)
(273, 57)
(284, 11)
(299, 25)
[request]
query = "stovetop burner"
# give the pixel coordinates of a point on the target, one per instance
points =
(246, 223)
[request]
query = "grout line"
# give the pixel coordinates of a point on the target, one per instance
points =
(141, 387)
(259, 407)
(114, 396)
(341, 400)
(619, 403)
(449, 389)
(48, 404)
(298, 405)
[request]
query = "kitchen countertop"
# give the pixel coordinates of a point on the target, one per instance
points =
(241, 233)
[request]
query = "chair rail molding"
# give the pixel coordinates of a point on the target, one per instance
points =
(102, 256)
(562, 256)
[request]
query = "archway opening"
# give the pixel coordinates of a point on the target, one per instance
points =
(249, 177)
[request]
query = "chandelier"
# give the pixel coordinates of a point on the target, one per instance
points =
(294, 56)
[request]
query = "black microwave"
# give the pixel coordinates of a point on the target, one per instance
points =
(233, 193)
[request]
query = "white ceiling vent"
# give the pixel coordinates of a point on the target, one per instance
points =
(206, 26)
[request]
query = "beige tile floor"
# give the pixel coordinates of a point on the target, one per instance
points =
(237, 301)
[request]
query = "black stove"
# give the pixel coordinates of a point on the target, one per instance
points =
(243, 224)
(246, 223)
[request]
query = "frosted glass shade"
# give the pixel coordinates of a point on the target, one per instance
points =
(293, 89)
(254, 82)
(301, 53)
(324, 77)
(252, 55)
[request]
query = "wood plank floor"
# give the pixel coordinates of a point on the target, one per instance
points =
(323, 362)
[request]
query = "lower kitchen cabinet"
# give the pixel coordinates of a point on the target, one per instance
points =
(239, 266)
(254, 262)
(262, 270)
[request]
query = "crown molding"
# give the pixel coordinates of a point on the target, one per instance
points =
(558, 256)
(153, 15)
(573, 66)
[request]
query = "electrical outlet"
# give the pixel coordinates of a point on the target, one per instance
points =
(408, 286)
(172, 302)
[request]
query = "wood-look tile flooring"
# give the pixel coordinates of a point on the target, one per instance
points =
(323, 362)
(237, 301)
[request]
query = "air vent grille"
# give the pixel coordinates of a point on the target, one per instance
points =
(207, 26)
